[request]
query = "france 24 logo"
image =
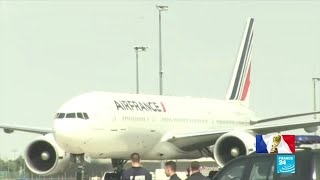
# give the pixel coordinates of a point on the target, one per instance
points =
(286, 164)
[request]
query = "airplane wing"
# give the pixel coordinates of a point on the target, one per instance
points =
(200, 140)
(193, 141)
(283, 126)
(11, 128)
(283, 117)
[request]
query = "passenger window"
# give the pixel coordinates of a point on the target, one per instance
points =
(61, 115)
(79, 115)
(71, 115)
(316, 173)
(261, 169)
(233, 172)
(85, 116)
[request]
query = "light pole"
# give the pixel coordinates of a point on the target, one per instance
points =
(8, 170)
(315, 101)
(314, 95)
(138, 49)
(160, 8)
(14, 151)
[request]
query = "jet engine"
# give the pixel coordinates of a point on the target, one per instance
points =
(232, 145)
(43, 156)
(311, 129)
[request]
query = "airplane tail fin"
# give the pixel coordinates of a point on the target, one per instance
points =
(239, 87)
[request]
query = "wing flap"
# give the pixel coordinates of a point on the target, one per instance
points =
(283, 126)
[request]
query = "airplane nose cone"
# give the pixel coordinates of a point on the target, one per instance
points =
(68, 134)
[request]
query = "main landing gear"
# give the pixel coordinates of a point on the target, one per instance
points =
(205, 152)
(117, 164)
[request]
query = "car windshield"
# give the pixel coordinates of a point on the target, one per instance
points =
(307, 167)
(316, 167)
(303, 168)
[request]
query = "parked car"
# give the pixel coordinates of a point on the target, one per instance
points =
(263, 167)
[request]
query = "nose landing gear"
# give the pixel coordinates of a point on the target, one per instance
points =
(117, 164)
(79, 160)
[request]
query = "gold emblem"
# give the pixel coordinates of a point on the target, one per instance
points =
(275, 144)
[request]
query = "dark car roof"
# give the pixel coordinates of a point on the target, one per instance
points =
(303, 156)
(297, 153)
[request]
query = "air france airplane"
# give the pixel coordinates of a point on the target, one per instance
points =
(103, 125)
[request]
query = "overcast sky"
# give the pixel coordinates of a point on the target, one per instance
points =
(51, 51)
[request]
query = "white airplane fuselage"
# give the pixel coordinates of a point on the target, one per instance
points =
(120, 124)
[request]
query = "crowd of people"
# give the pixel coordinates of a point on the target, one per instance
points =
(137, 172)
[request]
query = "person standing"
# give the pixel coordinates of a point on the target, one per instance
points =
(170, 170)
(136, 172)
(195, 172)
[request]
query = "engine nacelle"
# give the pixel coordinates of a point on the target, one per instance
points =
(232, 145)
(311, 129)
(8, 131)
(43, 156)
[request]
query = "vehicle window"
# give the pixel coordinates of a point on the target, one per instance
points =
(71, 115)
(56, 116)
(233, 171)
(272, 171)
(261, 169)
(61, 115)
(79, 115)
(316, 168)
(85, 116)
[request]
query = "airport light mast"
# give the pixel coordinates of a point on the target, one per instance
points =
(314, 95)
(160, 8)
(315, 99)
(138, 49)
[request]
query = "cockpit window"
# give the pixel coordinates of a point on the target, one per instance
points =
(61, 115)
(79, 115)
(71, 115)
(85, 116)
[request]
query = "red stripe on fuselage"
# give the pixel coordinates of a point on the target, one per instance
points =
(246, 85)
(163, 108)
